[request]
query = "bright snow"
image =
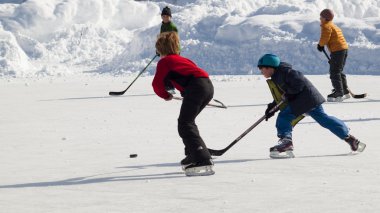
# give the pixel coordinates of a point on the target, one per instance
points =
(66, 144)
(58, 37)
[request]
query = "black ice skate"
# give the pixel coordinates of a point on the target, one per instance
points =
(346, 94)
(355, 144)
(203, 168)
(185, 162)
(335, 96)
(284, 149)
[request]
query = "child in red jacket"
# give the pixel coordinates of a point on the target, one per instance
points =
(197, 91)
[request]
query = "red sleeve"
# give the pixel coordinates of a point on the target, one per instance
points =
(159, 80)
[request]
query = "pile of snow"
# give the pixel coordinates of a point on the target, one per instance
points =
(223, 37)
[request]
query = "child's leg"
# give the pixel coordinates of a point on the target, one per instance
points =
(196, 98)
(331, 123)
(336, 68)
(343, 76)
(284, 123)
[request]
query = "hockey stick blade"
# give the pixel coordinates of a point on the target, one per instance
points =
(357, 95)
(212, 105)
(117, 93)
(141, 72)
(222, 104)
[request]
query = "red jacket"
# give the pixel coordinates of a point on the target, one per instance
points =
(177, 71)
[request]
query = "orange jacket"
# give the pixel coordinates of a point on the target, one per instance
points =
(332, 36)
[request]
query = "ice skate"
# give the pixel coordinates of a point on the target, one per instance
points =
(203, 168)
(185, 162)
(346, 94)
(284, 149)
(355, 144)
(335, 96)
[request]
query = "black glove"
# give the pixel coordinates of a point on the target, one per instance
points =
(320, 48)
(270, 114)
(157, 54)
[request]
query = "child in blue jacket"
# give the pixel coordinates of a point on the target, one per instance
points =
(302, 98)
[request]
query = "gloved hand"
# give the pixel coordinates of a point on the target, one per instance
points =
(169, 98)
(320, 48)
(270, 114)
(157, 54)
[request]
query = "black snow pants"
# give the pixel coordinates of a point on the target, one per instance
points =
(338, 78)
(198, 93)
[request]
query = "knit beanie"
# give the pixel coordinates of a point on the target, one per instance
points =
(327, 14)
(269, 60)
(166, 11)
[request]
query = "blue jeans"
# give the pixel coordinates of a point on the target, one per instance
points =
(285, 117)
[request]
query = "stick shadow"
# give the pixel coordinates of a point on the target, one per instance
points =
(93, 180)
(158, 176)
(97, 97)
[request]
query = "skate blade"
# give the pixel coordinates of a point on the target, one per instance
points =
(199, 171)
(361, 147)
(346, 96)
(340, 99)
(282, 155)
(184, 166)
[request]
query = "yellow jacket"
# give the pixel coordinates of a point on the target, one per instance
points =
(332, 36)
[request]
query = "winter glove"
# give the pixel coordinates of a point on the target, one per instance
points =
(320, 48)
(157, 54)
(269, 114)
(169, 98)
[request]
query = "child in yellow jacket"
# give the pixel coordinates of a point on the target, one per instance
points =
(332, 36)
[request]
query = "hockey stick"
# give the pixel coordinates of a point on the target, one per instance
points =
(351, 93)
(213, 105)
(141, 72)
(220, 152)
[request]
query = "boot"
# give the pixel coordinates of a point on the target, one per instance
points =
(284, 149)
(346, 93)
(335, 96)
(186, 162)
(355, 144)
(201, 168)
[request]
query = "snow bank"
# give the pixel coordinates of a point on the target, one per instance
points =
(223, 37)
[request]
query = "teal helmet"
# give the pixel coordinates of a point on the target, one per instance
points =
(269, 60)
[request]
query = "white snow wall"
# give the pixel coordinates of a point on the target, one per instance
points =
(223, 37)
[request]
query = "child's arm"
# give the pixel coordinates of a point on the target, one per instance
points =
(159, 80)
(325, 35)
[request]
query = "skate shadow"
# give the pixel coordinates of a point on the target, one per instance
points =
(97, 97)
(96, 180)
(346, 120)
(246, 105)
(356, 101)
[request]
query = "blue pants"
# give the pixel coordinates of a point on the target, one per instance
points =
(285, 117)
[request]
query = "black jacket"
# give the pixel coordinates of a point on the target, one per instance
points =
(293, 83)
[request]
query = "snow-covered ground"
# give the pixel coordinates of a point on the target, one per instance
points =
(62, 37)
(65, 147)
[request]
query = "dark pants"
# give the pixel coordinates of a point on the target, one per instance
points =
(196, 96)
(338, 78)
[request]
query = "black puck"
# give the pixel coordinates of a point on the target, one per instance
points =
(133, 155)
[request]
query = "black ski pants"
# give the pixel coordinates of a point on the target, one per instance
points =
(338, 78)
(198, 93)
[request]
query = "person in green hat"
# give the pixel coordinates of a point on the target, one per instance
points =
(167, 24)
(301, 97)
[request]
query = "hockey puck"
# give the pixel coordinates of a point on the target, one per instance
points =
(133, 155)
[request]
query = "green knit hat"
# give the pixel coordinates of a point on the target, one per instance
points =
(269, 60)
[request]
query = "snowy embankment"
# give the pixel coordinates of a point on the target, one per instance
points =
(59, 37)
(65, 147)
